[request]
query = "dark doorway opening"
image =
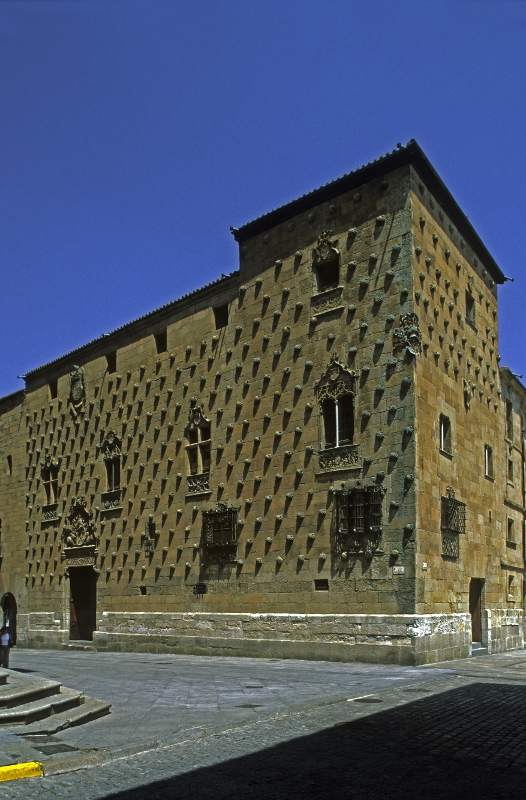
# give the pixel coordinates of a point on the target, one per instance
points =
(476, 586)
(82, 603)
(8, 605)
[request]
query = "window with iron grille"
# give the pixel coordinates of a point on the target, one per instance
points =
(219, 535)
(358, 527)
(453, 523)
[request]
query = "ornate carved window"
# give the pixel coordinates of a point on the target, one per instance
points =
(111, 453)
(49, 473)
(358, 524)
(470, 308)
(326, 263)
(198, 450)
(219, 537)
(335, 392)
(453, 523)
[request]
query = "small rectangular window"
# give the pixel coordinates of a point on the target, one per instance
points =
(328, 275)
(509, 420)
(488, 461)
(111, 362)
(321, 585)
(161, 341)
(221, 316)
(470, 309)
(510, 533)
(510, 470)
(445, 435)
(9, 465)
(53, 389)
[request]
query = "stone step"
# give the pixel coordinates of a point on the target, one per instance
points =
(90, 709)
(39, 709)
(17, 692)
(3, 676)
(78, 644)
(478, 649)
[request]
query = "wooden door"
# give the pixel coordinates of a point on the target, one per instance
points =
(475, 608)
(83, 603)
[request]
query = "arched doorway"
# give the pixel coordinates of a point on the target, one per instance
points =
(82, 603)
(8, 605)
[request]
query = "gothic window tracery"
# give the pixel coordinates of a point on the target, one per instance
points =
(335, 393)
(111, 453)
(49, 473)
(198, 449)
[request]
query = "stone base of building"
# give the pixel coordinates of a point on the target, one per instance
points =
(409, 639)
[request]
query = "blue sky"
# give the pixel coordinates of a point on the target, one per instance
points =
(134, 132)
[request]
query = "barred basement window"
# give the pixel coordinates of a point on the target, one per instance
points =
(219, 536)
(453, 523)
(358, 523)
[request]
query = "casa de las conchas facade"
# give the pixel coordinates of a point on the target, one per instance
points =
(316, 456)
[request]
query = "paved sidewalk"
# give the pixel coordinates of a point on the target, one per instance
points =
(228, 727)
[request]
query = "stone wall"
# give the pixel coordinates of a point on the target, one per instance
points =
(395, 639)
(505, 629)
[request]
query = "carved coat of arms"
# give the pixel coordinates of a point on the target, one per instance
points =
(77, 390)
(80, 528)
(325, 250)
(408, 335)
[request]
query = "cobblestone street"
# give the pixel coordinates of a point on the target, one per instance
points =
(319, 729)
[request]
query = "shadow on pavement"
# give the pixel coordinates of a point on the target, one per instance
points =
(464, 742)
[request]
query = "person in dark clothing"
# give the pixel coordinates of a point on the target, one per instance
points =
(5, 644)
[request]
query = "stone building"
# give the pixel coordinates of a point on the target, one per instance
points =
(306, 458)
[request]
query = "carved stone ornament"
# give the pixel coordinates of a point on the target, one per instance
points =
(324, 251)
(336, 458)
(324, 301)
(408, 335)
(77, 390)
(198, 484)
(196, 418)
(80, 528)
(468, 394)
(111, 446)
(335, 382)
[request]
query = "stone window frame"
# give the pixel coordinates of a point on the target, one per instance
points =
(112, 457)
(326, 264)
(452, 524)
(511, 538)
(337, 382)
(488, 462)
(220, 533)
(445, 435)
(470, 315)
(198, 433)
(49, 475)
(358, 520)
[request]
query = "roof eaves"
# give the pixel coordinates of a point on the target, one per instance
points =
(410, 153)
(128, 326)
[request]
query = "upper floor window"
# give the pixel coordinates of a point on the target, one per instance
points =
(509, 420)
(160, 341)
(111, 453)
(221, 316)
(50, 479)
(488, 461)
(335, 393)
(445, 435)
(111, 361)
(510, 471)
(326, 263)
(470, 309)
(510, 530)
(53, 389)
(199, 441)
